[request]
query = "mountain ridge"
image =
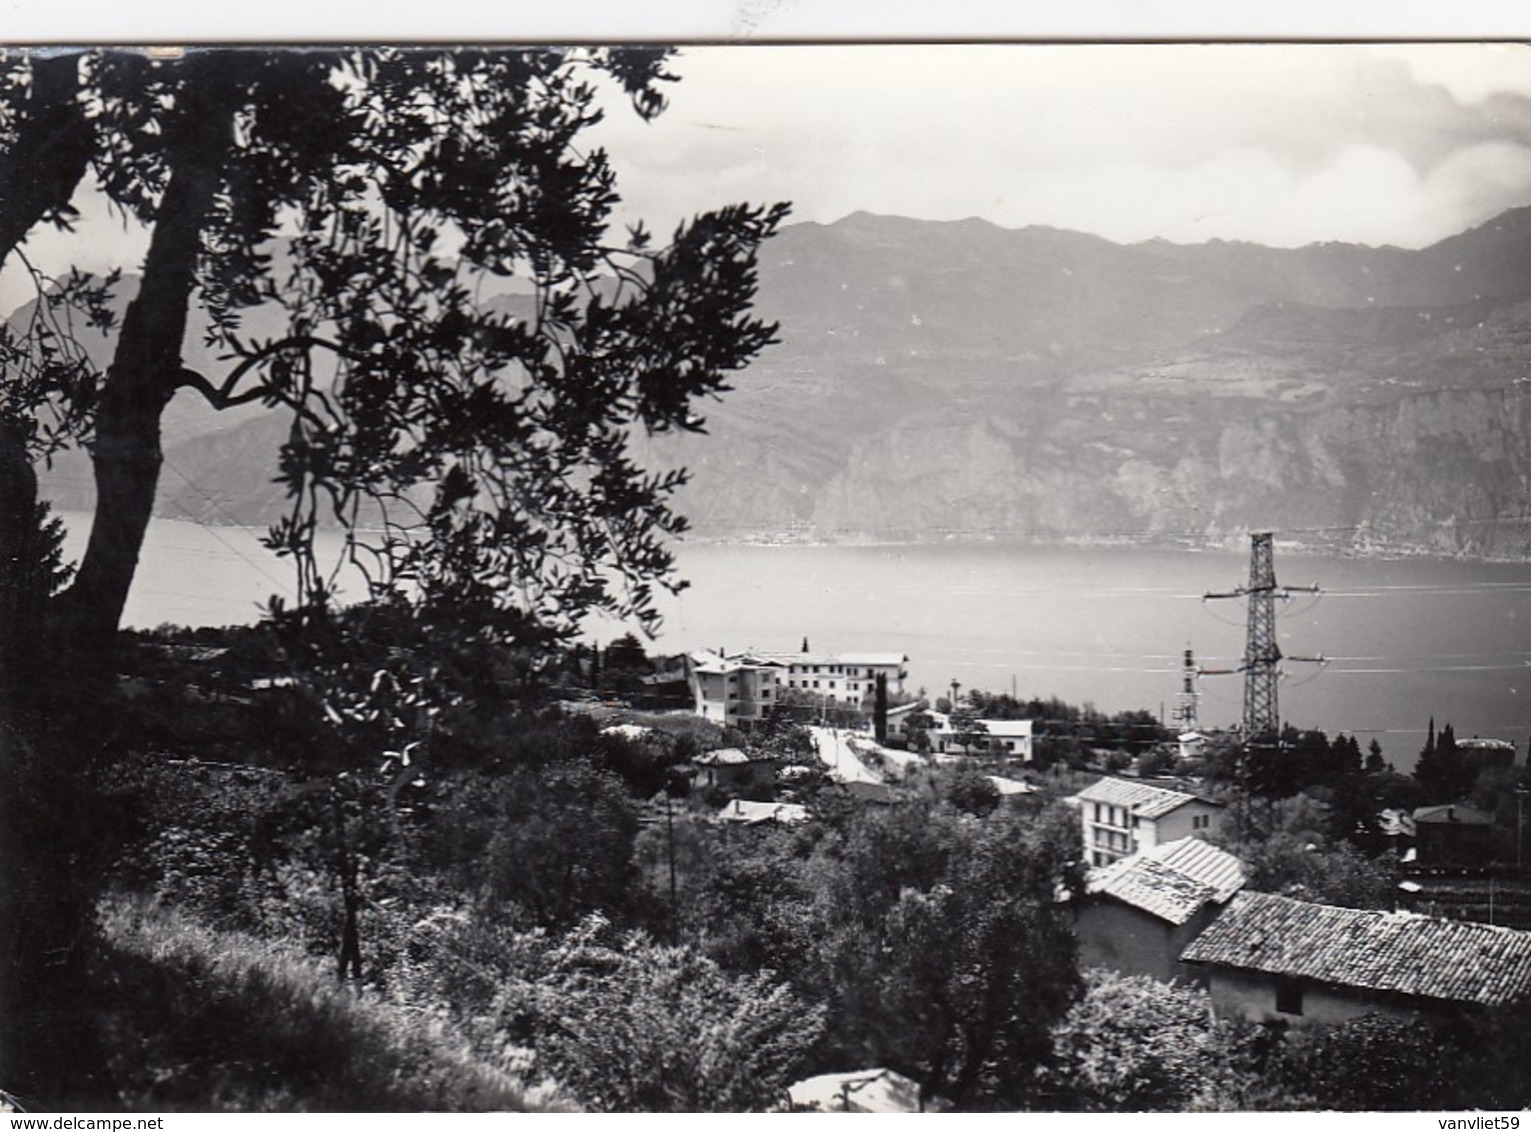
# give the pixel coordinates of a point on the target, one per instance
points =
(940, 379)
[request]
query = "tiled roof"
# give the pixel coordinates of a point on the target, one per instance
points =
(1172, 881)
(1453, 814)
(731, 756)
(712, 663)
(887, 658)
(1010, 786)
(1139, 797)
(1395, 952)
(799, 659)
(755, 813)
(1007, 728)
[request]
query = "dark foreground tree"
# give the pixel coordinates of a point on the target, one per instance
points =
(948, 955)
(405, 257)
(465, 354)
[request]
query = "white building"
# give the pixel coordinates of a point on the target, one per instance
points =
(1009, 737)
(1118, 818)
(732, 689)
(841, 678)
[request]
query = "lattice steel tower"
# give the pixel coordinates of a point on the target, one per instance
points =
(1262, 655)
(1262, 720)
(1185, 703)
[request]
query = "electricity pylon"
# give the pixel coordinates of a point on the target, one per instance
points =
(1262, 654)
(1185, 702)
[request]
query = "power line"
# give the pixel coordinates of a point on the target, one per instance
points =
(259, 567)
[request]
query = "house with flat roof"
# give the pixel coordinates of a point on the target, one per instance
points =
(848, 678)
(1274, 959)
(1119, 817)
(743, 687)
(1139, 913)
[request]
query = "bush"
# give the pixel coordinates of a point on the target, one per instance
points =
(1131, 1044)
(634, 1026)
(1309, 868)
(1377, 1063)
(624, 1023)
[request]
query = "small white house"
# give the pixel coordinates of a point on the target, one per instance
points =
(1008, 737)
(1118, 818)
(898, 718)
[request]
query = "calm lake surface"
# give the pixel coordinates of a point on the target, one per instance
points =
(1405, 639)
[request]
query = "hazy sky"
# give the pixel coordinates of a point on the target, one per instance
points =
(1278, 144)
(1283, 145)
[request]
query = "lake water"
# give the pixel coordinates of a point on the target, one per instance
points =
(1406, 639)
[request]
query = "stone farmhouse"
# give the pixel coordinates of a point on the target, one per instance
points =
(1138, 914)
(1274, 959)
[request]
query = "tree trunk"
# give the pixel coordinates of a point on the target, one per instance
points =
(44, 165)
(39, 172)
(19, 603)
(144, 375)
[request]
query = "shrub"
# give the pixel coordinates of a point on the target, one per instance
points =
(1377, 1063)
(629, 1025)
(1130, 1044)
(622, 1022)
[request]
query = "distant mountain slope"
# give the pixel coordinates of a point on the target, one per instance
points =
(961, 380)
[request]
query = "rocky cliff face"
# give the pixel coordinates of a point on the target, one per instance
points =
(1443, 471)
(1195, 415)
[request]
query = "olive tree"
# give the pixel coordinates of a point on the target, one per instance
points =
(465, 356)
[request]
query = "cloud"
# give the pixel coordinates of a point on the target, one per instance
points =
(1471, 76)
(1281, 144)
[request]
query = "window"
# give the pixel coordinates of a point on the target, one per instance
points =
(1288, 997)
(1112, 839)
